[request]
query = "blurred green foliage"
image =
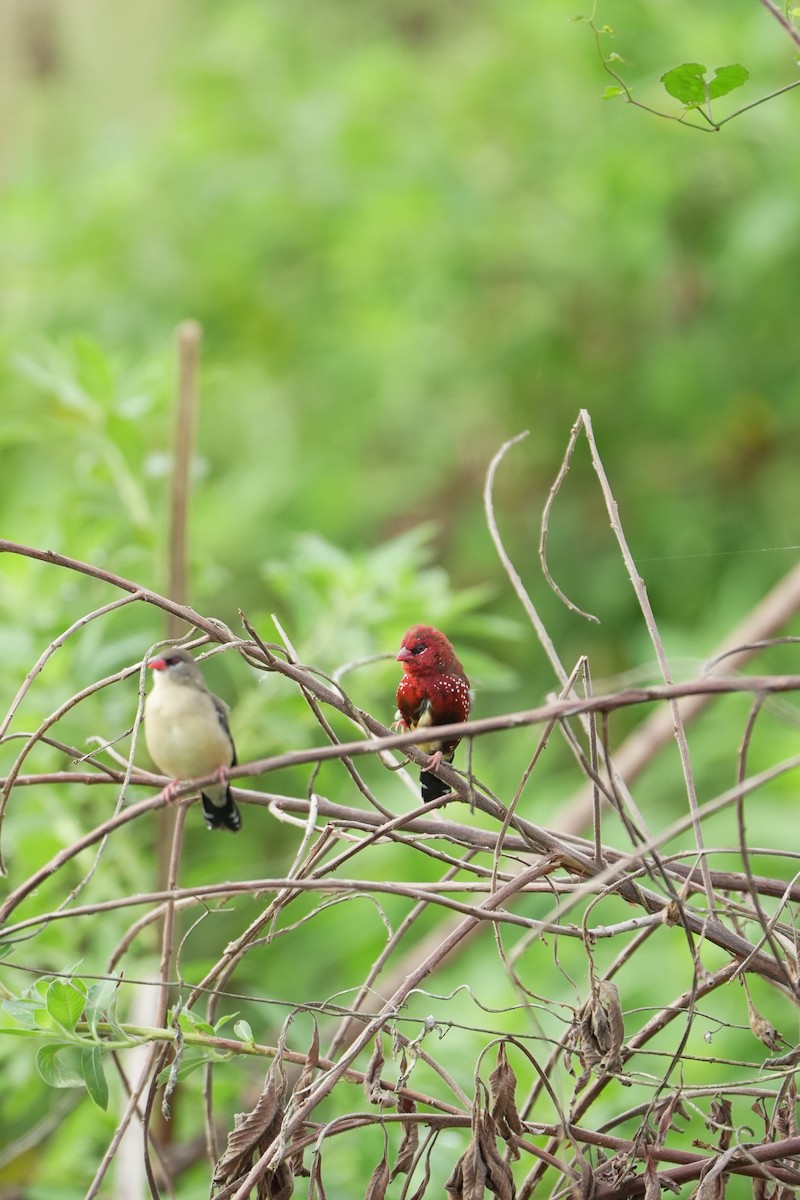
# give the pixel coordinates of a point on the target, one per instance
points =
(409, 231)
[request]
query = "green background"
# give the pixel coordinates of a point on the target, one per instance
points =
(409, 232)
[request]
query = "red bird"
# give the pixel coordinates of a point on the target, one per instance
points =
(433, 691)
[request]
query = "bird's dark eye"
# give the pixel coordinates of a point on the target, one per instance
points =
(418, 648)
(172, 661)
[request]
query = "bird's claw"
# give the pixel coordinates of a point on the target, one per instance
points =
(170, 791)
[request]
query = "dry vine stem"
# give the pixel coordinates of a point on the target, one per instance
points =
(585, 1097)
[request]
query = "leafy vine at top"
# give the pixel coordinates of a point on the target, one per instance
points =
(687, 83)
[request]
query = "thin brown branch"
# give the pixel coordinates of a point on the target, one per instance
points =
(783, 20)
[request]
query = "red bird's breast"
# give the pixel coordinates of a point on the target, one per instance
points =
(434, 699)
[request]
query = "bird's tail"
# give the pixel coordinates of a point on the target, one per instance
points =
(220, 811)
(431, 786)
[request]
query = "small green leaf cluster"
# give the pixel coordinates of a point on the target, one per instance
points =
(66, 1014)
(688, 82)
(78, 1024)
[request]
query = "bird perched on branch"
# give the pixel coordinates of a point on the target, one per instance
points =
(187, 734)
(433, 691)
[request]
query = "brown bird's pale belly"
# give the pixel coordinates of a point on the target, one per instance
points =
(190, 744)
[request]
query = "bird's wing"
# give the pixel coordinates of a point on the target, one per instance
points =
(413, 708)
(221, 710)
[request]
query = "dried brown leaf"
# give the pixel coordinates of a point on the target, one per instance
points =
(426, 1175)
(721, 1118)
(410, 1141)
(613, 1025)
(253, 1131)
(711, 1187)
(588, 1050)
(615, 1169)
(652, 1187)
(304, 1081)
(379, 1179)
(375, 1091)
(502, 1088)
(666, 1111)
(761, 1027)
(601, 1030)
(455, 1184)
(760, 1109)
(784, 1117)
(310, 1065)
(480, 1166)
(316, 1188)
(499, 1179)
(473, 1171)
(791, 1059)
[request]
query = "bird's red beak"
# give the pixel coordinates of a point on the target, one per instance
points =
(157, 664)
(404, 655)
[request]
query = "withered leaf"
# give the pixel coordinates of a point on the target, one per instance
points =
(721, 1117)
(419, 1194)
(379, 1179)
(608, 1002)
(480, 1166)
(502, 1088)
(615, 1169)
(375, 1091)
(652, 1187)
(316, 1188)
(252, 1132)
(601, 1030)
(760, 1109)
(761, 1027)
(666, 1112)
(711, 1187)
(409, 1143)
(473, 1170)
(455, 1184)
(499, 1179)
(310, 1065)
(784, 1117)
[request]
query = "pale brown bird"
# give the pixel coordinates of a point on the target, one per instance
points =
(187, 734)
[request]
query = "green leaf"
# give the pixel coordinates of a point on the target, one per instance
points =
(23, 1011)
(43, 1020)
(243, 1031)
(66, 1001)
(727, 79)
(192, 1024)
(100, 1003)
(54, 377)
(223, 1021)
(53, 1070)
(611, 92)
(687, 83)
(94, 1076)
